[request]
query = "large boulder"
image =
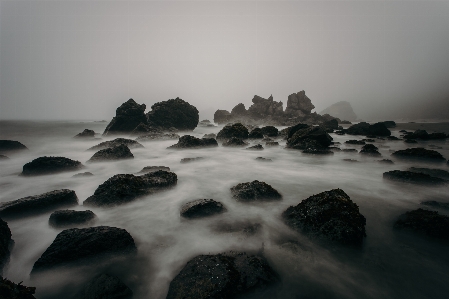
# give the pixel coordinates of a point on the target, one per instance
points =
(419, 153)
(11, 290)
(65, 218)
(105, 286)
(256, 133)
(342, 110)
(331, 215)
(364, 128)
(123, 188)
(120, 152)
(389, 123)
(311, 134)
(235, 142)
(127, 117)
(222, 117)
(50, 165)
(370, 150)
(239, 111)
(413, 178)
(188, 141)
(425, 222)
(330, 124)
(264, 108)
(85, 134)
(235, 130)
(423, 135)
(254, 191)
(11, 145)
(38, 203)
(202, 208)
(270, 131)
(148, 169)
(298, 104)
(5, 244)
(116, 142)
(85, 245)
(222, 276)
(175, 113)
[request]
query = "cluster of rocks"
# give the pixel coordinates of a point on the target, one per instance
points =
(188, 141)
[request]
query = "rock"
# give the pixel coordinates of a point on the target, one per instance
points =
(11, 145)
(235, 142)
(64, 218)
(386, 161)
(340, 132)
(201, 208)
(123, 188)
(439, 173)
(272, 143)
(368, 140)
(10, 290)
(104, 286)
(227, 275)
(264, 108)
(370, 150)
(293, 129)
(255, 134)
(349, 150)
(309, 133)
(222, 117)
(350, 160)
(85, 134)
(389, 124)
(210, 135)
(120, 152)
(82, 174)
(331, 215)
(331, 124)
(270, 131)
(410, 141)
(245, 227)
(3, 157)
(334, 149)
(256, 147)
(299, 104)
(262, 159)
(345, 122)
(342, 110)
(423, 135)
(38, 203)
(418, 153)
(413, 178)
(188, 141)
(188, 160)
(5, 244)
(363, 128)
(316, 150)
(173, 113)
(394, 138)
(358, 142)
(85, 245)
(205, 123)
(239, 111)
(436, 205)
(425, 222)
(116, 142)
(403, 131)
(255, 191)
(149, 169)
(236, 130)
(127, 117)
(157, 136)
(50, 165)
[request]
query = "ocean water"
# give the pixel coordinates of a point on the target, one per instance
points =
(391, 264)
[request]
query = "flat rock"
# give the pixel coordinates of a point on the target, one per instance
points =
(350, 160)
(82, 174)
(105, 286)
(65, 218)
(235, 142)
(349, 150)
(201, 208)
(364, 128)
(50, 165)
(127, 117)
(148, 169)
(331, 215)
(358, 142)
(116, 142)
(236, 130)
(175, 113)
(188, 141)
(419, 153)
(5, 244)
(439, 173)
(385, 161)
(256, 147)
(38, 203)
(188, 160)
(85, 134)
(262, 159)
(85, 245)
(255, 191)
(120, 152)
(425, 222)
(436, 204)
(11, 145)
(413, 178)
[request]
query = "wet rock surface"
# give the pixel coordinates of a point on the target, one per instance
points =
(5, 244)
(50, 165)
(105, 286)
(175, 113)
(236, 130)
(148, 169)
(120, 152)
(65, 218)
(425, 222)
(116, 142)
(222, 276)
(256, 147)
(419, 153)
(269, 131)
(235, 142)
(331, 215)
(255, 191)
(85, 134)
(201, 208)
(413, 178)
(11, 145)
(188, 141)
(439, 173)
(123, 188)
(38, 203)
(127, 117)
(11, 290)
(85, 244)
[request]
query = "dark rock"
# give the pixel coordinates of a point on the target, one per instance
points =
(330, 214)
(423, 135)
(104, 286)
(264, 108)
(236, 130)
(425, 222)
(334, 149)
(239, 111)
(5, 244)
(158, 136)
(293, 129)
(222, 276)
(205, 123)
(123, 188)
(235, 142)
(419, 153)
(363, 128)
(10, 290)
(403, 131)
(85, 245)
(262, 159)
(222, 117)
(85, 134)
(410, 141)
(298, 104)
(38, 203)
(331, 124)
(144, 129)
(389, 124)
(201, 208)
(340, 132)
(173, 113)
(127, 117)
(393, 138)
(309, 133)
(358, 142)
(368, 140)
(11, 145)
(350, 160)
(436, 204)
(413, 178)
(270, 131)
(149, 169)
(433, 146)
(272, 143)
(349, 150)
(188, 160)
(210, 135)
(3, 157)
(386, 161)
(188, 141)
(64, 218)
(439, 173)
(120, 152)
(267, 139)
(342, 110)
(50, 165)
(116, 142)
(255, 191)
(370, 150)
(256, 147)
(345, 122)
(82, 174)
(255, 134)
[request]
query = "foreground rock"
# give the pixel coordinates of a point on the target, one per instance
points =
(423, 135)
(300, 137)
(127, 117)
(202, 208)
(50, 165)
(149, 169)
(439, 173)
(341, 110)
(436, 204)
(256, 133)
(255, 191)
(5, 244)
(236, 130)
(173, 113)
(425, 222)
(331, 215)
(123, 188)
(363, 128)
(116, 142)
(389, 123)
(10, 290)
(222, 276)
(104, 286)
(257, 147)
(85, 134)
(85, 245)
(120, 152)
(413, 178)
(38, 203)
(188, 141)
(419, 153)
(11, 145)
(64, 218)
(370, 150)
(235, 142)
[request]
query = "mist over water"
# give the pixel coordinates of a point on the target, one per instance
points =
(391, 264)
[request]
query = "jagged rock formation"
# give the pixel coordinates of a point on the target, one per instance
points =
(341, 110)
(175, 113)
(263, 108)
(299, 105)
(222, 117)
(127, 117)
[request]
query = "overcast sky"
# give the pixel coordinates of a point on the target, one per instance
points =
(82, 59)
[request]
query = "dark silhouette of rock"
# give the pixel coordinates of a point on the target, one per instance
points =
(235, 142)
(389, 123)
(85, 134)
(222, 117)
(369, 150)
(331, 215)
(314, 149)
(255, 134)
(423, 135)
(309, 133)
(264, 108)
(239, 111)
(85, 245)
(127, 117)
(262, 159)
(123, 188)
(188, 160)
(144, 129)
(393, 138)
(158, 136)
(116, 142)
(350, 160)
(345, 122)
(413, 178)
(436, 205)
(235, 130)
(330, 124)
(368, 140)
(188, 141)
(357, 142)
(349, 150)
(3, 157)
(201, 208)
(65, 218)
(10, 290)
(256, 147)
(222, 276)
(410, 141)
(293, 129)
(342, 110)
(439, 173)
(363, 128)
(50, 165)
(418, 153)
(386, 161)
(173, 113)
(255, 191)
(148, 169)
(5, 244)
(210, 135)
(425, 222)
(82, 174)
(272, 143)
(299, 105)
(11, 145)
(119, 152)
(38, 203)
(270, 131)
(105, 286)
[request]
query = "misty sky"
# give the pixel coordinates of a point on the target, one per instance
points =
(82, 59)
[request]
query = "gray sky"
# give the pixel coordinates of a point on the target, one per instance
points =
(82, 59)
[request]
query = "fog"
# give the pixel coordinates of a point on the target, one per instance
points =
(82, 59)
